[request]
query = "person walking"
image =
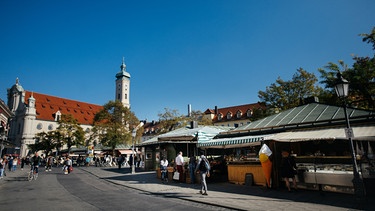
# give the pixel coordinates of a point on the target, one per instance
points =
(14, 164)
(2, 166)
(192, 165)
(288, 169)
(35, 162)
(203, 167)
(23, 161)
(180, 165)
(68, 164)
(10, 163)
(120, 160)
(49, 162)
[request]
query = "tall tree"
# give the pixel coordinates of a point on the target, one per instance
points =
(71, 132)
(171, 120)
(361, 77)
(46, 141)
(114, 123)
(283, 95)
(197, 116)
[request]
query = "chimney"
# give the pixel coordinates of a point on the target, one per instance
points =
(189, 110)
(193, 124)
(216, 111)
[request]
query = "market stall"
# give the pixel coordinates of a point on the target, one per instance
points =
(241, 157)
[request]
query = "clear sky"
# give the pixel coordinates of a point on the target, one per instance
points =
(204, 53)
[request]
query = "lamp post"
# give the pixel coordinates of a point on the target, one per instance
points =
(134, 133)
(342, 89)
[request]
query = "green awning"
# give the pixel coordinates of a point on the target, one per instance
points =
(235, 142)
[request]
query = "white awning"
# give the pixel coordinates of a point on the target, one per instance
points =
(364, 133)
(127, 151)
(235, 142)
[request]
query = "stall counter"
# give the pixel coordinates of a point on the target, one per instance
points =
(237, 172)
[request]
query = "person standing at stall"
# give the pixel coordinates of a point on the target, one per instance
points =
(180, 165)
(288, 169)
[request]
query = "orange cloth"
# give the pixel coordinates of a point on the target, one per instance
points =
(267, 169)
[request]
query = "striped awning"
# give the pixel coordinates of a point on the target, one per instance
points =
(235, 142)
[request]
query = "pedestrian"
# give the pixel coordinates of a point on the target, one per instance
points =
(164, 169)
(179, 161)
(14, 164)
(288, 169)
(49, 162)
(203, 167)
(68, 165)
(192, 165)
(23, 161)
(88, 160)
(120, 160)
(2, 165)
(10, 163)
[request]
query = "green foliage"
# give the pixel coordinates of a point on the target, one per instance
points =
(70, 131)
(282, 94)
(361, 77)
(114, 123)
(171, 120)
(288, 94)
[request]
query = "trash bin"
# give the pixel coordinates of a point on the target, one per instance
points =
(249, 181)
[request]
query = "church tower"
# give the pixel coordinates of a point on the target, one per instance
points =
(123, 85)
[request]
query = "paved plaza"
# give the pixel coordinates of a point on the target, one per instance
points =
(226, 195)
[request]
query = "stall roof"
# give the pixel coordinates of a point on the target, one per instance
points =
(187, 134)
(243, 141)
(364, 133)
(308, 115)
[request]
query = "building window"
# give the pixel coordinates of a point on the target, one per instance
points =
(235, 125)
(118, 96)
(239, 114)
(229, 115)
(57, 116)
(39, 126)
(249, 113)
(219, 116)
(126, 96)
(50, 127)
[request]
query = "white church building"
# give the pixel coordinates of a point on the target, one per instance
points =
(34, 112)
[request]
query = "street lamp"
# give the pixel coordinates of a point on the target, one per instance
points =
(134, 133)
(342, 89)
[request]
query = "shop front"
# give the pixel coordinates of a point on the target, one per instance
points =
(323, 157)
(239, 157)
(315, 134)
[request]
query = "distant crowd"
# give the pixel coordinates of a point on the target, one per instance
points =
(10, 163)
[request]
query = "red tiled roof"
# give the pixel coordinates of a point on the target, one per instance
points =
(233, 110)
(47, 106)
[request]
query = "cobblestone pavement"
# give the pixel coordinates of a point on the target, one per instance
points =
(226, 195)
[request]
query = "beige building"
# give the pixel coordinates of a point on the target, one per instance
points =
(234, 116)
(33, 112)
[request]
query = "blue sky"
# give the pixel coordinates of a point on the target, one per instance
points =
(204, 53)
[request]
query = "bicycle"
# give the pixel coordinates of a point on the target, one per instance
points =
(33, 174)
